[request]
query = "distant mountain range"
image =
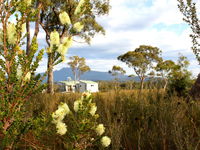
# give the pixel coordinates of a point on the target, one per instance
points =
(64, 73)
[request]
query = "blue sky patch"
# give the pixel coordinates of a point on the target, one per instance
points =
(177, 28)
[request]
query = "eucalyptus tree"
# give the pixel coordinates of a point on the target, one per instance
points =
(142, 60)
(164, 68)
(189, 10)
(116, 72)
(81, 22)
(78, 66)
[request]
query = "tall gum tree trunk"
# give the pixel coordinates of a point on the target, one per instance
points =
(142, 84)
(50, 89)
(37, 22)
(165, 86)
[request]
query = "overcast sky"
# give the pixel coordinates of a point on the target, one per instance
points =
(132, 23)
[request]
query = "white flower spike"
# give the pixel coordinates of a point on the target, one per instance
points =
(11, 32)
(93, 109)
(64, 18)
(54, 38)
(27, 76)
(78, 27)
(78, 8)
(105, 141)
(100, 129)
(61, 128)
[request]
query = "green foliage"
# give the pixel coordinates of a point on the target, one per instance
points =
(180, 77)
(164, 69)
(17, 73)
(89, 11)
(189, 11)
(117, 70)
(180, 85)
(141, 60)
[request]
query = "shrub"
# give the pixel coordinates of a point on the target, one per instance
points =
(79, 129)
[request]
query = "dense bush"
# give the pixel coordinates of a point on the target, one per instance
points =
(180, 81)
(181, 86)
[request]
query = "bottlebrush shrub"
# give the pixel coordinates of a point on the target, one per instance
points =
(18, 81)
(78, 128)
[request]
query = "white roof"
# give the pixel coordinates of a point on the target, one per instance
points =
(88, 82)
(82, 81)
(69, 82)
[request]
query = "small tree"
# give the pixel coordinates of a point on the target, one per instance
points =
(180, 77)
(165, 68)
(116, 72)
(141, 60)
(78, 66)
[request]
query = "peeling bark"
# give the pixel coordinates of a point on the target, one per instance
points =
(166, 83)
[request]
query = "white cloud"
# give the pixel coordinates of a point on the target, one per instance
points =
(132, 23)
(105, 65)
(161, 11)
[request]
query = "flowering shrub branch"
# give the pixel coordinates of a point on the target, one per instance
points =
(18, 81)
(79, 128)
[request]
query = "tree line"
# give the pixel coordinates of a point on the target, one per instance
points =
(147, 63)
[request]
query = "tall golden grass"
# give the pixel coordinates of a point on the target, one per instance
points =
(147, 120)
